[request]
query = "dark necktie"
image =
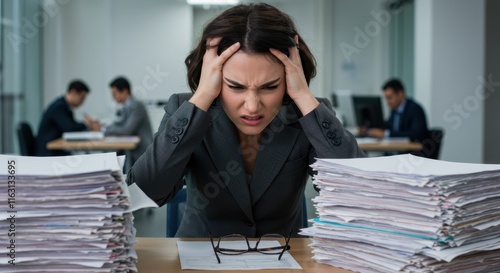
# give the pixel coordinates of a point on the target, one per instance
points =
(395, 125)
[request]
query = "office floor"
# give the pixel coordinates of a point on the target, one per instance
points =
(151, 222)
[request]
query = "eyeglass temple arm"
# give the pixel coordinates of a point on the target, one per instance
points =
(287, 245)
(213, 247)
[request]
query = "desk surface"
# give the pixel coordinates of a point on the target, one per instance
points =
(108, 143)
(160, 255)
(388, 145)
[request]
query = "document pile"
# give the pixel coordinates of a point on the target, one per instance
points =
(65, 214)
(407, 214)
(76, 136)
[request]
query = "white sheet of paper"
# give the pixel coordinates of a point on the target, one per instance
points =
(138, 199)
(410, 164)
(60, 165)
(200, 256)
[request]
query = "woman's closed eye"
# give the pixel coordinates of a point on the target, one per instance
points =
(236, 87)
(270, 87)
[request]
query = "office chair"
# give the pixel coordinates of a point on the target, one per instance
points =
(27, 141)
(432, 144)
(175, 211)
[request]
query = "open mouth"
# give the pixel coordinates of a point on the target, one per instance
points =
(252, 120)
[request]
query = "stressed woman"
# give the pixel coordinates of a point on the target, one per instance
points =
(243, 141)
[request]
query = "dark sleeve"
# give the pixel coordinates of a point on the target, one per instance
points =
(328, 137)
(64, 119)
(160, 170)
(418, 125)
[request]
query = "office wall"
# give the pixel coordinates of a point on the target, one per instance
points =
(449, 70)
(145, 41)
(20, 90)
(359, 43)
(492, 73)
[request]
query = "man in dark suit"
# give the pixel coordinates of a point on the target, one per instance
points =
(58, 118)
(407, 117)
(132, 118)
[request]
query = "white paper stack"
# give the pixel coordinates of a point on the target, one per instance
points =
(407, 214)
(65, 214)
(85, 135)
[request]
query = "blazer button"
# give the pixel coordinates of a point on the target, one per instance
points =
(331, 135)
(178, 131)
(326, 124)
(174, 139)
(184, 121)
(248, 223)
(337, 141)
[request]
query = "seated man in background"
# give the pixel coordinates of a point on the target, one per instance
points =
(132, 118)
(58, 118)
(407, 117)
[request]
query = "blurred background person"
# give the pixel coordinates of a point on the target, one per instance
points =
(407, 116)
(58, 118)
(131, 119)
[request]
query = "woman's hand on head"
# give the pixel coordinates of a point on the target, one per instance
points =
(296, 84)
(210, 84)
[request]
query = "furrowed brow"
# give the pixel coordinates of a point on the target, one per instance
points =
(235, 83)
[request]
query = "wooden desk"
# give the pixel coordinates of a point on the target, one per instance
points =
(160, 255)
(108, 143)
(389, 146)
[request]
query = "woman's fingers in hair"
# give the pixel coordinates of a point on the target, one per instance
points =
(294, 52)
(212, 42)
(229, 52)
(296, 84)
(282, 57)
(294, 72)
(294, 56)
(210, 83)
(211, 47)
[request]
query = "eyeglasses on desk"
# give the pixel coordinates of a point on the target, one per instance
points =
(227, 245)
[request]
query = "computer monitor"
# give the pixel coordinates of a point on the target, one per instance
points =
(368, 111)
(344, 108)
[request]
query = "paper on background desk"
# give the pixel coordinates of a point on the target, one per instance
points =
(121, 139)
(75, 136)
(200, 256)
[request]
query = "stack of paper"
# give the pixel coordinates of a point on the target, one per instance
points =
(65, 214)
(85, 135)
(407, 214)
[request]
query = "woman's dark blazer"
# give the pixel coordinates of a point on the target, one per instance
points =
(201, 149)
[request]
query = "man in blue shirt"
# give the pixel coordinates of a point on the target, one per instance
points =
(407, 117)
(58, 118)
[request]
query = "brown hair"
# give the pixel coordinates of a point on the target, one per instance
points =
(257, 27)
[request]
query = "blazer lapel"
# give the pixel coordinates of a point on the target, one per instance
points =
(276, 143)
(223, 145)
